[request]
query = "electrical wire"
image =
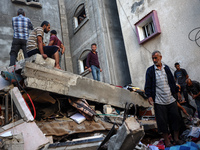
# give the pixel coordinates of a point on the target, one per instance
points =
(196, 37)
(19, 85)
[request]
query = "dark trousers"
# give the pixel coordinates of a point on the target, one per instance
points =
(167, 116)
(17, 44)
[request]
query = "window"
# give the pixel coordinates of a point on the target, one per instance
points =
(148, 27)
(83, 70)
(80, 17)
(33, 3)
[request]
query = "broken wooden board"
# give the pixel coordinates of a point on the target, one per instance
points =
(66, 83)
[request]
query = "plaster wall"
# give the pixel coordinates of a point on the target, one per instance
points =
(177, 19)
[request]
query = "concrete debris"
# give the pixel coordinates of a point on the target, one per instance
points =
(57, 95)
(128, 135)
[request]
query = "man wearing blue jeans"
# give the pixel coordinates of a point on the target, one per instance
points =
(93, 63)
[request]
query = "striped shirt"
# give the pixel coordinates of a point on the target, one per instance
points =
(163, 92)
(32, 41)
(21, 25)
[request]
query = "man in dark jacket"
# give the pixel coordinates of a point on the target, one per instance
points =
(160, 87)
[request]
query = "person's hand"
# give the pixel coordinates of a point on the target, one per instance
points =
(150, 100)
(89, 69)
(100, 70)
(44, 56)
(194, 96)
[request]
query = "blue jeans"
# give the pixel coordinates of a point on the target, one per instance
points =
(197, 101)
(95, 73)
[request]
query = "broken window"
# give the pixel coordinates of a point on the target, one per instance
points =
(80, 17)
(32, 3)
(148, 27)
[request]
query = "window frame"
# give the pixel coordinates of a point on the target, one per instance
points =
(77, 26)
(150, 17)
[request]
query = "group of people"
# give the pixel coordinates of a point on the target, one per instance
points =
(163, 92)
(33, 44)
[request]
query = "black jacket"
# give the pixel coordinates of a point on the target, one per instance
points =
(150, 84)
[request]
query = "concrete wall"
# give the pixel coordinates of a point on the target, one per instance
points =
(49, 12)
(103, 28)
(177, 19)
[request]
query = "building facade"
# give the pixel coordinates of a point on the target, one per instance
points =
(79, 23)
(149, 25)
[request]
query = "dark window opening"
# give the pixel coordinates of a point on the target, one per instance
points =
(148, 29)
(84, 64)
(82, 16)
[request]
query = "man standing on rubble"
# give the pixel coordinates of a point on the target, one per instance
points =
(21, 26)
(193, 88)
(93, 63)
(35, 44)
(160, 87)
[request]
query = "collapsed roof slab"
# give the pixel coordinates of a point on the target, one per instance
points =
(69, 84)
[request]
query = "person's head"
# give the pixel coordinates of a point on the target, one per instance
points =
(177, 66)
(46, 26)
(20, 12)
(189, 82)
(157, 57)
(53, 32)
(94, 46)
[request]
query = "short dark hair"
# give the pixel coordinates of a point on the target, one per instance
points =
(156, 51)
(93, 44)
(44, 23)
(20, 11)
(176, 64)
(53, 32)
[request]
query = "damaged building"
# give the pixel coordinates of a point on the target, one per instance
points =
(46, 108)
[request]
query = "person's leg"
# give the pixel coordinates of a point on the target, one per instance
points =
(14, 51)
(185, 93)
(98, 74)
(174, 119)
(60, 57)
(23, 46)
(161, 115)
(197, 101)
(52, 51)
(94, 72)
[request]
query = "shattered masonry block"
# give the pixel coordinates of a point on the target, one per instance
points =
(38, 59)
(128, 135)
(21, 105)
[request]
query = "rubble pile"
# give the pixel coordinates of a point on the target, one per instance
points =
(47, 108)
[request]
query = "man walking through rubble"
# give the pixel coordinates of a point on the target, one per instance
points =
(21, 26)
(93, 63)
(160, 87)
(35, 44)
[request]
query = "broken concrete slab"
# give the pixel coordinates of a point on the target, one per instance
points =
(21, 104)
(127, 136)
(66, 83)
(32, 135)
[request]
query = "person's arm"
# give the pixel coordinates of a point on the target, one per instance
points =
(186, 74)
(51, 43)
(175, 75)
(63, 48)
(148, 87)
(183, 109)
(40, 46)
(197, 84)
(30, 25)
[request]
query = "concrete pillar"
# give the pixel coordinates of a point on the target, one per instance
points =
(65, 36)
